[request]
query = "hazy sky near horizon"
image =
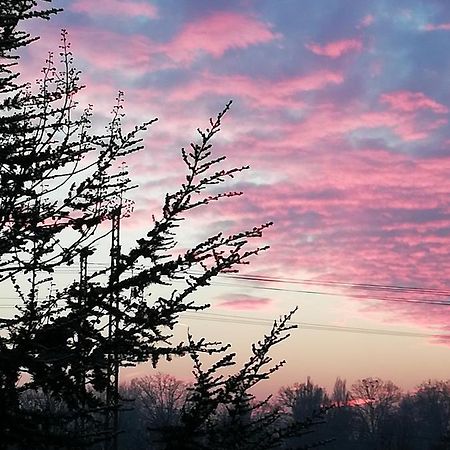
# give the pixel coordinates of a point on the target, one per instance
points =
(341, 108)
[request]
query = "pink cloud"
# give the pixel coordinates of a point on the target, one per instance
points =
(129, 8)
(258, 92)
(329, 122)
(366, 21)
(107, 50)
(337, 48)
(412, 101)
(354, 215)
(217, 33)
(136, 53)
(437, 27)
(244, 302)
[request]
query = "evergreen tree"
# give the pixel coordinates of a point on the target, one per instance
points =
(220, 410)
(59, 184)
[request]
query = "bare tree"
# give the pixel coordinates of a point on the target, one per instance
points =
(303, 399)
(339, 419)
(374, 402)
(341, 395)
(161, 397)
(154, 404)
(431, 403)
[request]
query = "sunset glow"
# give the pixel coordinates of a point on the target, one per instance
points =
(341, 110)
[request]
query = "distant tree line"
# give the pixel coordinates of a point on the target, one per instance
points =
(373, 414)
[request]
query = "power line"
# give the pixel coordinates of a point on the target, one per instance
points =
(334, 283)
(304, 325)
(294, 281)
(229, 318)
(367, 286)
(324, 293)
(335, 294)
(243, 320)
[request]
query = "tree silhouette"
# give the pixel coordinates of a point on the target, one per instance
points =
(155, 405)
(303, 399)
(60, 182)
(339, 419)
(222, 413)
(306, 404)
(375, 401)
(431, 410)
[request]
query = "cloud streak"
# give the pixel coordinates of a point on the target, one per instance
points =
(137, 53)
(258, 93)
(244, 302)
(437, 27)
(115, 8)
(412, 101)
(217, 33)
(335, 49)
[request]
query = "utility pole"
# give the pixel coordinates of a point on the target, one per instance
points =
(84, 253)
(112, 390)
(81, 335)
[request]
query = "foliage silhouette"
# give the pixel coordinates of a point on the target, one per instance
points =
(60, 183)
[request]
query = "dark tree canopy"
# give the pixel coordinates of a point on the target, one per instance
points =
(66, 343)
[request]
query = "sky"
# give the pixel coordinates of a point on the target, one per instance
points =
(341, 109)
